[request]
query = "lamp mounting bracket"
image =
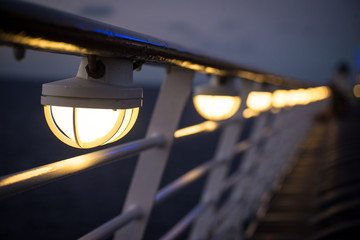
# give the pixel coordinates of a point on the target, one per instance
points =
(95, 68)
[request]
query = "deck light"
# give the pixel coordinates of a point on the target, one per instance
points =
(280, 98)
(259, 101)
(93, 109)
(217, 101)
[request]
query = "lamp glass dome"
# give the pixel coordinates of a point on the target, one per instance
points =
(89, 127)
(280, 98)
(216, 107)
(259, 101)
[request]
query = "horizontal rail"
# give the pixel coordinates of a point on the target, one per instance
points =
(107, 229)
(184, 180)
(231, 181)
(185, 222)
(207, 126)
(32, 26)
(29, 179)
(197, 210)
(195, 174)
(204, 127)
(22, 181)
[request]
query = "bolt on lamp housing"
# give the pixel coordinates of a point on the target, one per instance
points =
(85, 112)
(217, 101)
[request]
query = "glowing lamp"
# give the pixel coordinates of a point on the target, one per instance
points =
(259, 101)
(217, 101)
(280, 98)
(86, 112)
(356, 90)
(249, 113)
(293, 98)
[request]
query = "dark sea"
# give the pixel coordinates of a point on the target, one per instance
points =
(71, 207)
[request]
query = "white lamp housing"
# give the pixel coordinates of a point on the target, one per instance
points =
(219, 100)
(85, 112)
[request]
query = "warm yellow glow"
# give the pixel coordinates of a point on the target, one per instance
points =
(305, 96)
(195, 67)
(259, 101)
(127, 125)
(64, 119)
(249, 113)
(202, 127)
(93, 127)
(216, 107)
(280, 98)
(319, 93)
(69, 165)
(24, 176)
(356, 90)
(22, 39)
(293, 98)
(89, 127)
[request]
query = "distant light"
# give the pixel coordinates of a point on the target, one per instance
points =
(280, 98)
(205, 126)
(259, 101)
(275, 110)
(218, 100)
(356, 90)
(249, 113)
(216, 107)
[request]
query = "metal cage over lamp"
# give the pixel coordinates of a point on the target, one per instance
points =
(86, 112)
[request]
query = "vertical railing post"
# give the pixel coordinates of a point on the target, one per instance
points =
(268, 164)
(164, 121)
(224, 152)
(291, 135)
(232, 206)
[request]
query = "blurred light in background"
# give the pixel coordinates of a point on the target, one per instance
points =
(263, 101)
(356, 90)
(259, 101)
(249, 113)
(280, 98)
(206, 126)
(216, 108)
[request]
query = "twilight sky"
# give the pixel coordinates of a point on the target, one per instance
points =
(303, 39)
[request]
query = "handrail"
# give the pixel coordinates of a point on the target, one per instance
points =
(107, 229)
(15, 183)
(36, 27)
(22, 181)
(176, 230)
(195, 174)
(184, 180)
(207, 126)
(185, 221)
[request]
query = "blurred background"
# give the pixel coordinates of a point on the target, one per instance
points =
(300, 39)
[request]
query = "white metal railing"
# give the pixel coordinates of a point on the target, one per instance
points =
(271, 145)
